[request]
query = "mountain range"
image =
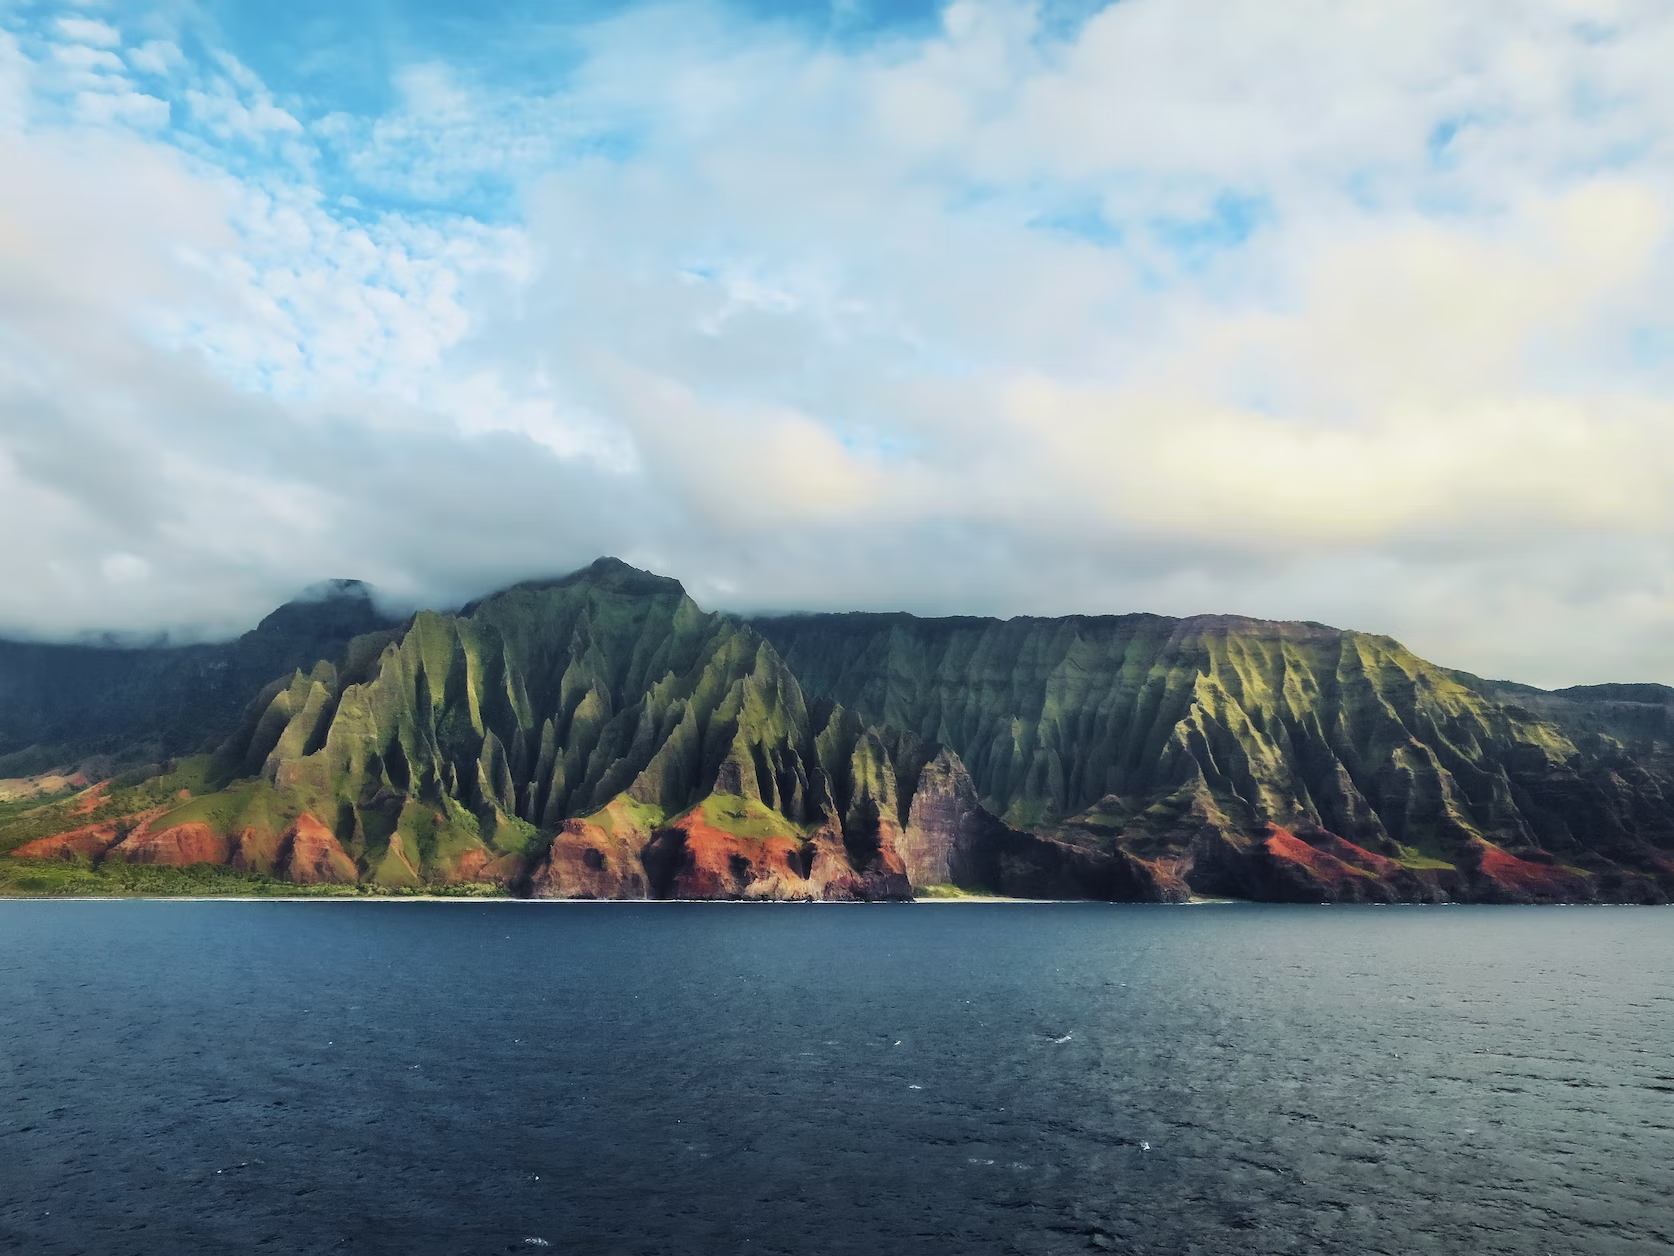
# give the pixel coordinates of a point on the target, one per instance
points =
(602, 736)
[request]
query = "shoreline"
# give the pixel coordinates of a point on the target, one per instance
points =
(510, 898)
(732, 902)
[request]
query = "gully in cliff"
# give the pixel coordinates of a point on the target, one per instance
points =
(601, 736)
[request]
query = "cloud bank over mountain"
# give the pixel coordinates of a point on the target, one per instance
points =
(1348, 313)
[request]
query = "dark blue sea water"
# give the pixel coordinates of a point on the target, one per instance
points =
(686, 1078)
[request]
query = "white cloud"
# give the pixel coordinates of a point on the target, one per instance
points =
(133, 108)
(124, 568)
(444, 142)
(14, 83)
(83, 30)
(81, 60)
(229, 118)
(1343, 313)
(157, 57)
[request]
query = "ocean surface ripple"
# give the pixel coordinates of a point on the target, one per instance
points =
(388, 1077)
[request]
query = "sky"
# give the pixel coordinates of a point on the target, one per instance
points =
(1357, 313)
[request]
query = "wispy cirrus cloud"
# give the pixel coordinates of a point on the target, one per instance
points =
(1337, 313)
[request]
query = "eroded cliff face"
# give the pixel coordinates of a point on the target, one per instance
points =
(87, 842)
(310, 854)
(603, 737)
(951, 838)
(1257, 759)
(599, 736)
(598, 858)
(177, 845)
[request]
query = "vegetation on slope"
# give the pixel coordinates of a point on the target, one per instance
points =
(1200, 740)
(602, 736)
(465, 748)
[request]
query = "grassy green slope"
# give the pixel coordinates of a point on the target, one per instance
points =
(481, 732)
(1158, 729)
(576, 724)
(454, 750)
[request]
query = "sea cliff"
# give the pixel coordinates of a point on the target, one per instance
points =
(602, 736)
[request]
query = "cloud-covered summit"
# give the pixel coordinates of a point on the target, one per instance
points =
(1347, 313)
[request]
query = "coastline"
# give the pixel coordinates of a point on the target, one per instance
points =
(510, 898)
(734, 902)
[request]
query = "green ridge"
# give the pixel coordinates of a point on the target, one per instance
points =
(1148, 734)
(1110, 756)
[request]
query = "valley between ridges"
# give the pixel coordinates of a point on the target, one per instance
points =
(601, 736)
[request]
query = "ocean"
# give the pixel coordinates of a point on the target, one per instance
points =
(497, 1077)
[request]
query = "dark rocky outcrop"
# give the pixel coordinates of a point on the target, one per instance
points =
(951, 838)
